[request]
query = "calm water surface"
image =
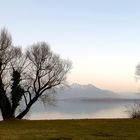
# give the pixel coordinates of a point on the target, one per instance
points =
(78, 109)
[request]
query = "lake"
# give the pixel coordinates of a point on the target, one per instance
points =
(81, 109)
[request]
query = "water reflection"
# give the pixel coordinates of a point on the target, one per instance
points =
(77, 109)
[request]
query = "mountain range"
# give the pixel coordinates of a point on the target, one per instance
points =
(77, 91)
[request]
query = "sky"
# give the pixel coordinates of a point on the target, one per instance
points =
(100, 37)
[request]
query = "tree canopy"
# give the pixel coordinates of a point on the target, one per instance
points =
(27, 76)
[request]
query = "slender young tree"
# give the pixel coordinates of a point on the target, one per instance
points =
(26, 77)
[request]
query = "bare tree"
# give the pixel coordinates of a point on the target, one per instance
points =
(134, 111)
(26, 77)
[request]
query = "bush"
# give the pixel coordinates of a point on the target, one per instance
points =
(134, 111)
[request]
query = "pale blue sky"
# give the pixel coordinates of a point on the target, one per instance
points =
(101, 37)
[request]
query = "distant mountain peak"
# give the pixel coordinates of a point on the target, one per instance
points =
(90, 91)
(83, 86)
(86, 91)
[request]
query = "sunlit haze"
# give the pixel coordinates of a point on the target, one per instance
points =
(100, 37)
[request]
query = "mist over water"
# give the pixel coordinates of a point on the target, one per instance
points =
(85, 101)
(81, 109)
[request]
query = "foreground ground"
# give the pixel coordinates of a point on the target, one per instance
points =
(100, 129)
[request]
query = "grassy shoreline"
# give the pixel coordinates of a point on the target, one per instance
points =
(77, 129)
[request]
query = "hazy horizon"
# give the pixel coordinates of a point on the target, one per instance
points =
(101, 38)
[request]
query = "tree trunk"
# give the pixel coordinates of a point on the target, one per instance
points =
(6, 114)
(5, 105)
(6, 109)
(22, 114)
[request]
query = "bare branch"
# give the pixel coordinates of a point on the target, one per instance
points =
(25, 99)
(27, 76)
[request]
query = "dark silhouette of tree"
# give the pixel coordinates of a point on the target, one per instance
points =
(26, 77)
